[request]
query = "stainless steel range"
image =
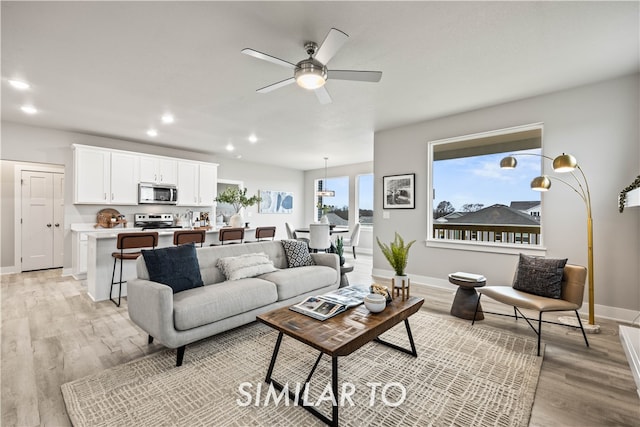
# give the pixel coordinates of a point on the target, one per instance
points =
(154, 221)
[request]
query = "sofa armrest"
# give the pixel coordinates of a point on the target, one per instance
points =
(329, 260)
(150, 306)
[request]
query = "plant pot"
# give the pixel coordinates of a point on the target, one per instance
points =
(324, 219)
(342, 260)
(236, 220)
(397, 281)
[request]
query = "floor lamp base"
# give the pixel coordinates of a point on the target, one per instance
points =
(572, 321)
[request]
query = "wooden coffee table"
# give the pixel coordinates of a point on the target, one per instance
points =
(338, 336)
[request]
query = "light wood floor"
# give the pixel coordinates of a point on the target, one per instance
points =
(52, 333)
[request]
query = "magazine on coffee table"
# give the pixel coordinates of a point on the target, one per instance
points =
(323, 307)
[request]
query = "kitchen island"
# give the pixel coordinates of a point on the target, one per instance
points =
(100, 246)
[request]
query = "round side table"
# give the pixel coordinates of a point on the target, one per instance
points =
(464, 303)
(344, 269)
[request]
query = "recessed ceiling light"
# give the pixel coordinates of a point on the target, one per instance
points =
(229, 147)
(253, 139)
(29, 109)
(239, 156)
(19, 84)
(167, 118)
(152, 132)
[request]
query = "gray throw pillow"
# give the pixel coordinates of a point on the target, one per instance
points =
(539, 276)
(174, 266)
(297, 253)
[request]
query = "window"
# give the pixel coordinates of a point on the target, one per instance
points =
(365, 199)
(474, 201)
(337, 207)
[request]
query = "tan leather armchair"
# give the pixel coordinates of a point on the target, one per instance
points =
(573, 281)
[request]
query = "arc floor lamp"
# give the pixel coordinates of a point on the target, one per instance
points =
(566, 163)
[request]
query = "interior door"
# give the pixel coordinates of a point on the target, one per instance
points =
(58, 220)
(42, 220)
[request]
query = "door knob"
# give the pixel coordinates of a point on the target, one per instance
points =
(49, 225)
(57, 225)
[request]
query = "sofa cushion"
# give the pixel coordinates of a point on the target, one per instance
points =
(291, 282)
(174, 266)
(297, 253)
(201, 306)
(539, 276)
(247, 265)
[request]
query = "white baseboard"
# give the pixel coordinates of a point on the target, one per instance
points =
(9, 270)
(617, 314)
(67, 271)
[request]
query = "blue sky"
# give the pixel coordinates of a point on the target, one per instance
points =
(341, 186)
(479, 179)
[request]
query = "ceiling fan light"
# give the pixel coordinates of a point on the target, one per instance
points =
(310, 74)
(310, 81)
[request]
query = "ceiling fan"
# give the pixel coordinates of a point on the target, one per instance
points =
(312, 73)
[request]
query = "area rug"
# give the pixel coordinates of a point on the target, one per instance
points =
(463, 376)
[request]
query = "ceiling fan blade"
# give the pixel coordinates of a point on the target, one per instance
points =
(269, 58)
(275, 86)
(360, 76)
(322, 95)
(330, 46)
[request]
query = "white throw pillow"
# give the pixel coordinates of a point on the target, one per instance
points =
(247, 265)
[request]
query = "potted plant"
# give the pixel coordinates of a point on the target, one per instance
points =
(238, 199)
(325, 210)
(397, 254)
(340, 249)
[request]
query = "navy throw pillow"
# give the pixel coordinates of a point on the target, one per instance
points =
(175, 266)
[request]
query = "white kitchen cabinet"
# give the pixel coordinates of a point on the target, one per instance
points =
(197, 183)
(105, 177)
(159, 170)
(207, 184)
(187, 183)
(91, 175)
(125, 175)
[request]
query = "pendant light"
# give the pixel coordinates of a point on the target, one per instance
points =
(324, 192)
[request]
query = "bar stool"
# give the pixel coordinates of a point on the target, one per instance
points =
(180, 237)
(129, 241)
(265, 233)
(229, 234)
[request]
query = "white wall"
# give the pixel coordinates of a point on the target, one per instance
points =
(598, 124)
(21, 143)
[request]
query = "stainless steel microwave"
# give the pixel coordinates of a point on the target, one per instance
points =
(157, 194)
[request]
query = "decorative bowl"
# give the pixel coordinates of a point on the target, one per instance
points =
(375, 303)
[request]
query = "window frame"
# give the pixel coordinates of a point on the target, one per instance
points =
(493, 247)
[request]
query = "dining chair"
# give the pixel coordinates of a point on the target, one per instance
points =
(129, 241)
(354, 239)
(319, 237)
(290, 233)
(181, 237)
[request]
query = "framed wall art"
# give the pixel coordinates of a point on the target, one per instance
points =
(280, 202)
(399, 191)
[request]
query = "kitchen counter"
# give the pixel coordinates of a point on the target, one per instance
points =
(100, 246)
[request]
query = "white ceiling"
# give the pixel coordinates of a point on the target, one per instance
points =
(112, 68)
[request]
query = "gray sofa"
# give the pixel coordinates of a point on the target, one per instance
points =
(176, 320)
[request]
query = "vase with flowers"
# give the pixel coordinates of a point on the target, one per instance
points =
(237, 198)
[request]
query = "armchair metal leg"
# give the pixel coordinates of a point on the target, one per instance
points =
(539, 331)
(515, 312)
(475, 313)
(582, 329)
